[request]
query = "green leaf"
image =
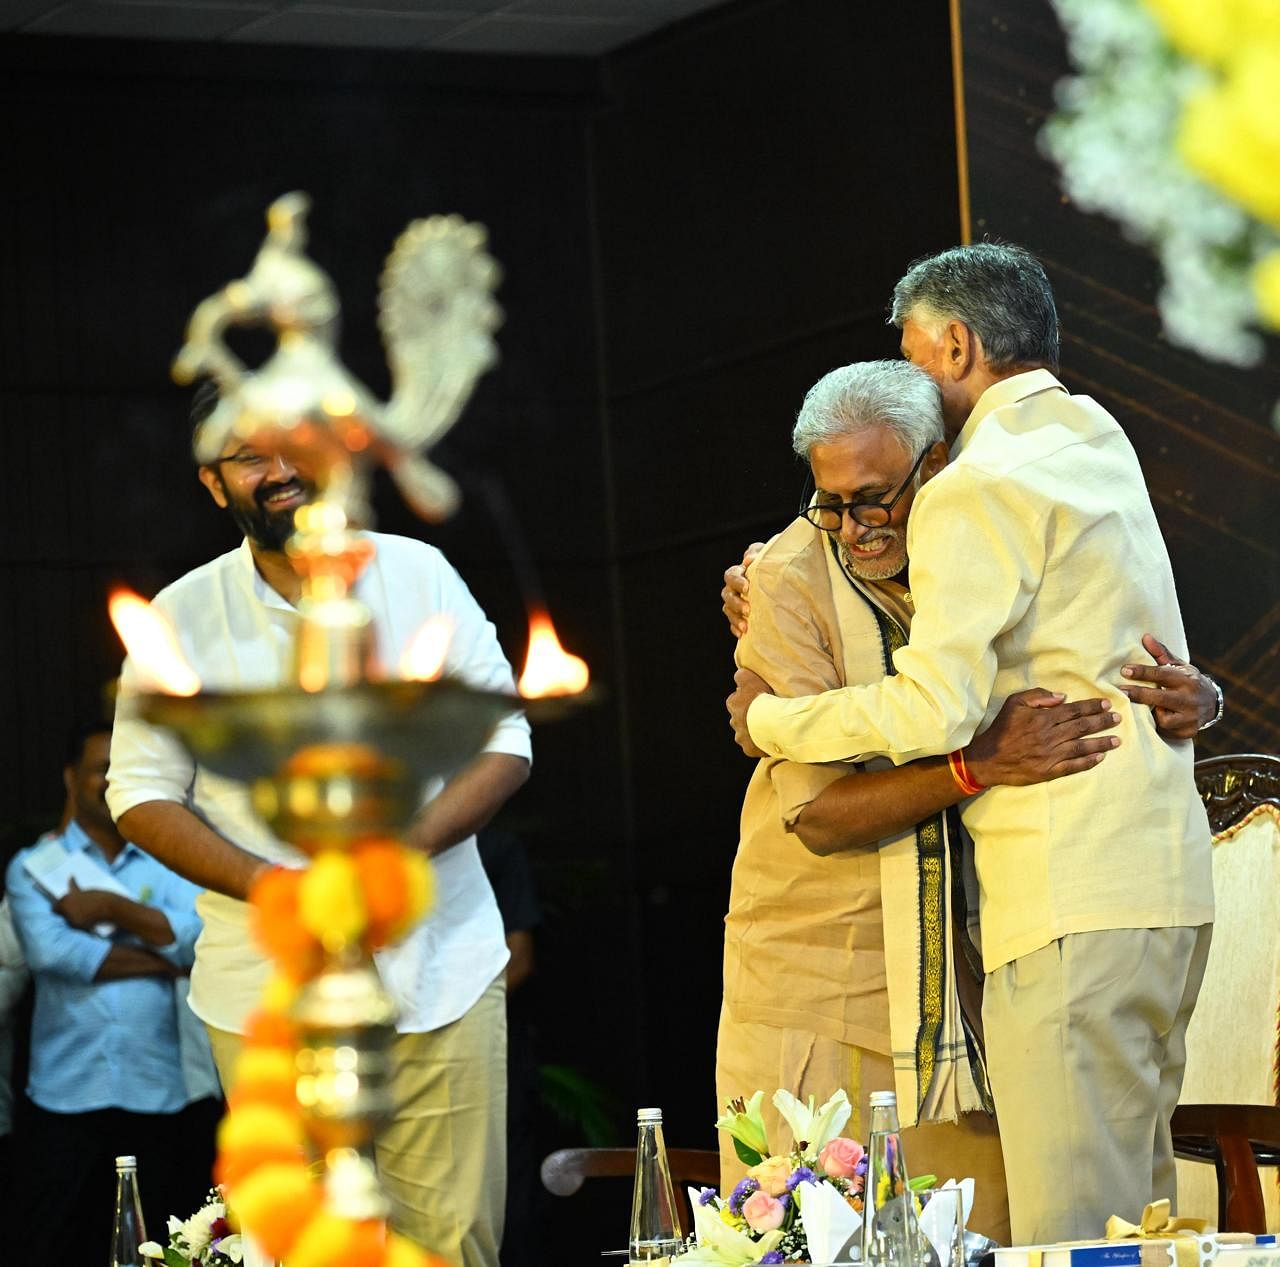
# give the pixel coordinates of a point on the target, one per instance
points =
(747, 1156)
(173, 1259)
(920, 1182)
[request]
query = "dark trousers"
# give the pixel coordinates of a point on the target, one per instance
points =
(65, 1176)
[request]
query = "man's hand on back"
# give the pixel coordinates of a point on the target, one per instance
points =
(734, 595)
(1037, 736)
(1183, 699)
(747, 686)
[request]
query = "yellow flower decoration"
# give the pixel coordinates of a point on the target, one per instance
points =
(403, 1253)
(259, 1125)
(329, 901)
(1214, 32)
(279, 994)
(1230, 132)
(323, 1242)
(265, 1064)
(420, 888)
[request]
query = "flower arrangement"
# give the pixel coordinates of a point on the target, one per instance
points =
(1168, 127)
(209, 1238)
(789, 1204)
(369, 896)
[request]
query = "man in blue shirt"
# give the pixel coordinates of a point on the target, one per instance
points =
(106, 1073)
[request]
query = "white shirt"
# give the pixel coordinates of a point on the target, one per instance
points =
(1036, 560)
(237, 633)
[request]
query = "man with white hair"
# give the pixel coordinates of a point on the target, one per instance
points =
(1036, 560)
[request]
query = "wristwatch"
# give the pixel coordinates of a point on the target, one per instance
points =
(1217, 717)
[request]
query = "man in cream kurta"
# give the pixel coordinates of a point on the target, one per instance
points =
(806, 991)
(1036, 560)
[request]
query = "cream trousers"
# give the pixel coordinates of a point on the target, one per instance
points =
(752, 1057)
(442, 1155)
(1085, 1050)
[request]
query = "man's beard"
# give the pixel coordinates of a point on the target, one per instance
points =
(882, 566)
(268, 529)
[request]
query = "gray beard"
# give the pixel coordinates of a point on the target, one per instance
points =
(878, 569)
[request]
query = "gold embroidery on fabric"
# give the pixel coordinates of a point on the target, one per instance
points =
(932, 952)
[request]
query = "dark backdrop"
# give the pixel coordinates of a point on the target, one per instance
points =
(693, 231)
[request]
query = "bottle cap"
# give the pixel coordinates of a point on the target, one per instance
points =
(884, 1099)
(126, 1163)
(649, 1116)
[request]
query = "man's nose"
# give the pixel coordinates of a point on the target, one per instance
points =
(850, 528)
(279, 468)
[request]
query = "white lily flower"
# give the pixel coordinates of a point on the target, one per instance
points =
(813, 1128)
(232, 1247)
(149, 1249)
(720, 1245)
(742, 1120)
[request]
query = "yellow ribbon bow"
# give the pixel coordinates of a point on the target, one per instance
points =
(1157, 1225)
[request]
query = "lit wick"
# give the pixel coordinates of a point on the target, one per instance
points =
(152, 645)
(548, 668)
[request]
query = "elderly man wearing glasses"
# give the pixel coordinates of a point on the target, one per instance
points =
(1035, 560)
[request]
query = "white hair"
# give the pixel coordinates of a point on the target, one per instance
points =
(895, 395)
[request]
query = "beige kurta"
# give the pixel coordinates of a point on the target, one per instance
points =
(806, 1004)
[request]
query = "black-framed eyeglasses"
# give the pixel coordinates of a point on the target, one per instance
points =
(829, 515)
(246, 460)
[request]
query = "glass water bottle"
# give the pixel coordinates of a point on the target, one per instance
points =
(890, 1230)
(128, 1231)
(655, 1229)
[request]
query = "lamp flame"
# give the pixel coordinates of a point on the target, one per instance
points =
(548, 668)
(423, 658)
(152, 645)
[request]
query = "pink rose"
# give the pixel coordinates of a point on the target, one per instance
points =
(841, 1157)
(772, 1174)
(762, 1212)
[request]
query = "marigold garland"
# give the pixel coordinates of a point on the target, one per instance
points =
(369, 896)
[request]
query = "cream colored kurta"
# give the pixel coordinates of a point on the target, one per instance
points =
(1036, 560)
(804, 948)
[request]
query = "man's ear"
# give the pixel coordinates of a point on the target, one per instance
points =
(934, 461)
(212, 480)
(960, 350)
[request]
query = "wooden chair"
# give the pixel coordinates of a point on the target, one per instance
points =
(564, 1171)
(1235, 1139)
(1228, 1116)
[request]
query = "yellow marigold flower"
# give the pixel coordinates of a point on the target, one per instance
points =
(279, 994)
(1266, 286)
(264, 1064)
(403, 1253)
(420, 886)
(322, 1243)
(1214, 32)
(276, 1203)
(256, 1124)
(329, 901)
(1230, 133)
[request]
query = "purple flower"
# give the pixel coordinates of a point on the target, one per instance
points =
(773, 1256)
(861, 1167)
(706, 1196)
(744, 1189)
(801, 1174)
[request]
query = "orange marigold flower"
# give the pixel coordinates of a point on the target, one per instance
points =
(269, 1029)
(382, 881)
(275, 1203)
(276, 923)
